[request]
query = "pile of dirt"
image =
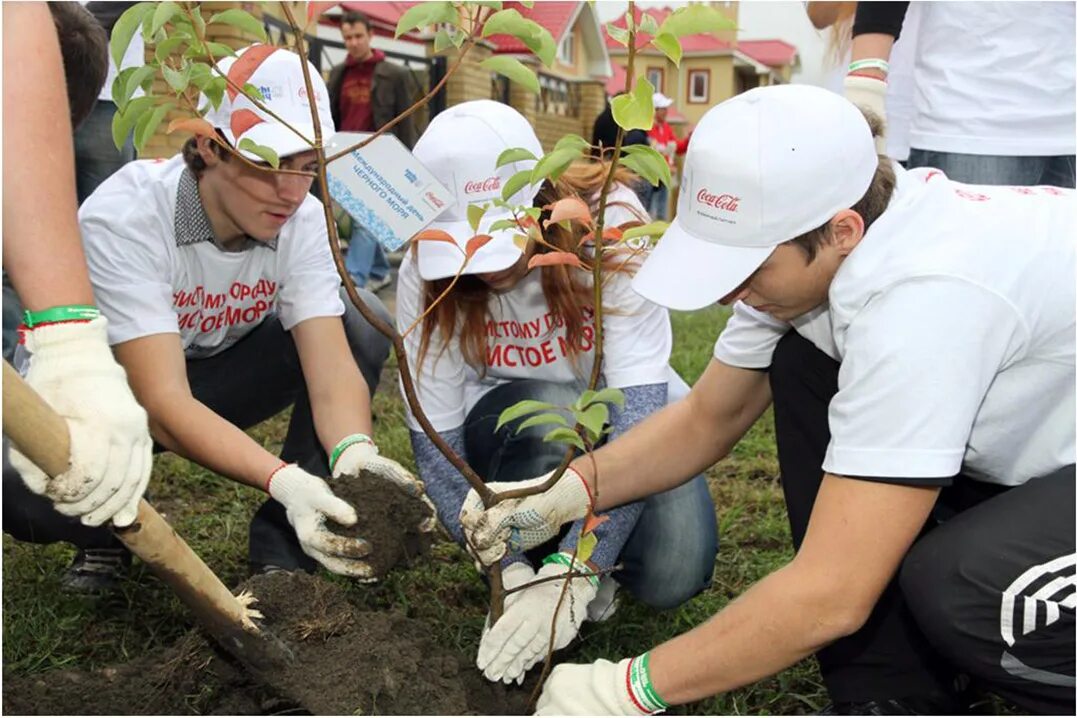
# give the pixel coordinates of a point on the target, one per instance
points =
(347, 660)
(389, 520)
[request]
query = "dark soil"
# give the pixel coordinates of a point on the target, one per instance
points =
(347, 660)
(388, 520)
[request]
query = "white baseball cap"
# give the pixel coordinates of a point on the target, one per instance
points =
(460, 147)
(660, 101)
(278, 75)
(762, 168)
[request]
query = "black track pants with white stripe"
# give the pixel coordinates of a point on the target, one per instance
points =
(987, 590)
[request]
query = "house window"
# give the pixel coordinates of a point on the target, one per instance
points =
(699, 87)
(656, 76)
(567, 52)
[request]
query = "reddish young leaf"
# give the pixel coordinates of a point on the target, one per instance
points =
(551, 259)
(317, 8)
(433, 235)
(592, 521)
(475, 244)
(609, 235)
(194, 125)
(528, 222)
(568, 208)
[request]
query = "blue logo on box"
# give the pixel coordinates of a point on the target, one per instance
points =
(410, 176)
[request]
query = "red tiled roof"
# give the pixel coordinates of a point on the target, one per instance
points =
(383, 16)
(616, 83)
(554, 16)
(772, 53)
(689, 43)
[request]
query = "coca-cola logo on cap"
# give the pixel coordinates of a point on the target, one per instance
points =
(486, 185)
(725, 202)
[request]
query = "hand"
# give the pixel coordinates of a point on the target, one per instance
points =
(363, 456)
(520, 524)
(869, 94)
(600, 688)
(73, 370)
(515, 574)
(308, 501)
(522, 637)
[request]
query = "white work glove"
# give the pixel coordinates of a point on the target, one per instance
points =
(522, 637)
(520, 524)
(870, 94)
(308, 501)
(601, 688)
(73, 370)
(363, 456)
(516, 574)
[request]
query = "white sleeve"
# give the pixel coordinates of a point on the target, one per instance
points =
(749, 338)
(623, 205)
(638, 337)
(310, 285)
(913, 377)
(128, 262)
(439, 380)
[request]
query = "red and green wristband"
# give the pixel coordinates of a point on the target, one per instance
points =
(57, 315)
(582, 568)
(640, 689)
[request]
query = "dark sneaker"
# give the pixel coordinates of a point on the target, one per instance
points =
(257, 569)
(96, 570)
(376, 285)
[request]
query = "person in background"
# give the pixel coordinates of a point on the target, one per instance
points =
(665, 140)
(70, 365)
(995, 98)
(506, 332)
(604, 138)
(366, 92)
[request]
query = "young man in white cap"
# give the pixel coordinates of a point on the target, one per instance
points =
(224, 308)
(916, 337)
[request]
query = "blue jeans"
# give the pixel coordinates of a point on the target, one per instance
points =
(669, 556)
(366, 258)
(658, 207)
(12, 319)
(1057, 171)
(96, 156)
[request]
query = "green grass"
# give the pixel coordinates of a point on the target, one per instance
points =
(45, 629)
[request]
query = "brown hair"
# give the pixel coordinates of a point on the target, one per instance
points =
(840, 37)
(353, 17)
(84, 47)
(193, 158)
(466, 307)
(869, 207)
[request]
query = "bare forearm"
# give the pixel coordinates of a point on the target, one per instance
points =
(192, 430)
(341, 409)
(778, 622)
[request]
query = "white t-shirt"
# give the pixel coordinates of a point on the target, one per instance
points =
(953, 321)
(995, 78)
(155, 270)
(524, 342)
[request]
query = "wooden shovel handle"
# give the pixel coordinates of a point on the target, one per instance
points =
(41, 435)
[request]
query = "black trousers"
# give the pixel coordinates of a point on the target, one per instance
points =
(253, 380)
(987, 590)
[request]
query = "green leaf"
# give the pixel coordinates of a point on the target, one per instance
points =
(126, 27)
(166, 48)
(528, 3)
(199, 21)
(514, 154)
(474, 216)
(648, 24)
(572, 142)
(123, 121)
(502, 224)
(268, 154)
(492, 4)
(128, 81)
(442, 40)
(537, 38)
(522, 408)
(635, 110)
(513, 69)
(516, 183)
(565, 436)
(201, 75)
(147, 124)
(176, 79)
(584, 399)
(648, 163)
(163, 14)
(653, 230)
(253, 92)
(219, 50)
(214, 91)
(427, 13)
(242, 20)
(695, 19)
(594, 418)
(617, 33)
(669, 45)
(610, 395)
(553, 165)
(539, 419)
(585, 547)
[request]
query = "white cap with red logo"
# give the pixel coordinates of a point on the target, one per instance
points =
(278, 75)
(460, 147)
(762, 168)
